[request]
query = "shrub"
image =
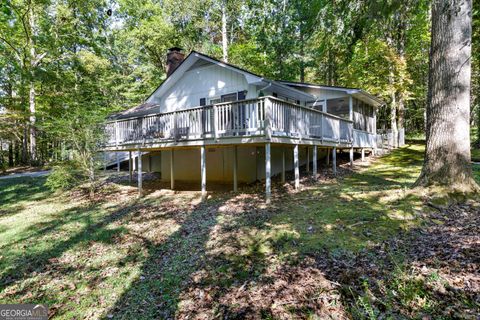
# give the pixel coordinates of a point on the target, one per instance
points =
(64, 177)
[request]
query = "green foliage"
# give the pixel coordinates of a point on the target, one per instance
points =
(373, 62)
(247, 56)
(402, 288)
(83, 133)
(64, 177)
(92, 60)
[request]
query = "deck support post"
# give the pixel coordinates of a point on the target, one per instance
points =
(130, 167)
(140, 191)
(172, 177)
(104, 161)
(203, 170)
(315, 162)
(215, 122)
(268, 172)
(328, 156)
(235, 161)
(308, 159)
(118, 161)
(351, 157)
(297, 170)
(283, 164)
(363, 154)
(334, 160)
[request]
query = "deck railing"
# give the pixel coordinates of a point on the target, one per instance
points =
(364, 139)
(266, 116)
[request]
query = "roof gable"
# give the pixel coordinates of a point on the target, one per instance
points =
(195, 59)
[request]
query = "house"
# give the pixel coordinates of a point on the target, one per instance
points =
(213, 121)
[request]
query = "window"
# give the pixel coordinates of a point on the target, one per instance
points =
(338, 107)
(242, 95)
(229, 97)
(215, 100)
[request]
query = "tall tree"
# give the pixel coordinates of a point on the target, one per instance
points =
(224, 31)
(447, 154)
(476, 67)
(21, 38)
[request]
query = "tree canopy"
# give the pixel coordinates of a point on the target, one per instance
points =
(61, 56)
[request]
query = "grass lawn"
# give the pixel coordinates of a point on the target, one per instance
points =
(168, 255)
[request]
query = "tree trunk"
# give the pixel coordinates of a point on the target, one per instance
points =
(91, 177)
(400, 116)
(302, 56)
(10, 155)
(3, 167)
(401, 100)
(330, 80)
(401, 27)
(16, 154)
(224, 31)
(447, 154)
(25, 144)
(33, 119)
(31, 100)
(478, 127)
(393, 112)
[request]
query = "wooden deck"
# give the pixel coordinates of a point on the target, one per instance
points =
(262, 120)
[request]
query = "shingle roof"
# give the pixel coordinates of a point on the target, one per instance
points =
(142, 109)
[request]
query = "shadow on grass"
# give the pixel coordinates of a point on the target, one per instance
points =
(42, 244)
(233, 257)
(14, 191)
(20, 261)
(230, 253)
(417, 273)
(169, 267)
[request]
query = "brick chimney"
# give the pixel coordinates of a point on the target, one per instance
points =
(175, 56)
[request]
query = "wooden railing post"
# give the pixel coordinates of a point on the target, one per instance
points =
(339, 135)
(203, 172)
(139, 173)
(215, 122)
(350, 131)
(322, 132)
(116, 134)
(175, 129)
(268, 171)
(268, 119)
